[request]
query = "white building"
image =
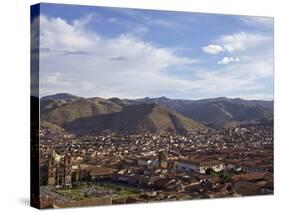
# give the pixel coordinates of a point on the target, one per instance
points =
(254, 169)
(147, 161)
(198, 166)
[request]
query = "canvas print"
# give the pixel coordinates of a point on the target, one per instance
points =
(140, 106)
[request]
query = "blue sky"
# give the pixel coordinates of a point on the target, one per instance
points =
(131, 53)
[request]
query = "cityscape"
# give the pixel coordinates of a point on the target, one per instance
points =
(80, 168)
(139, 106)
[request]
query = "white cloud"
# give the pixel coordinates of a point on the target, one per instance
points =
(137, 17)
(243, 79)
(266, 22)
(88, 85)
(161, 22)
(138, 31)
(97, 64)
(79, 61)
(212, 49)
(249, 72)
(227, 60)
(242, 41)
(56, 33)
(53, 78)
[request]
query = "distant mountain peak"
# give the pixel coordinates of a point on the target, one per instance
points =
(114, 98)
(60, 96)
(63, 108)
(163, 98)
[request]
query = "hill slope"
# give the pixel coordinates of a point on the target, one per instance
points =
(62, 113)
(213, 111)
(61, 109)
(135, 119)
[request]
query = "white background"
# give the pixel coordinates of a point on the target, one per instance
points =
(14, 102)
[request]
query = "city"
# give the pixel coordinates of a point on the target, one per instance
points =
(138, 105)
(115, 169)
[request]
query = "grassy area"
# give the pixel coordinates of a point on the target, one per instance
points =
(85, 191)
(75, 194)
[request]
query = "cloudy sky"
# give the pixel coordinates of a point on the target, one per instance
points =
(126, 53)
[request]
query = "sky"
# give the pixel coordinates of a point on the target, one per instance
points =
(131, 53)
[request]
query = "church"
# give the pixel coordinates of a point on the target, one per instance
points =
(59, 169)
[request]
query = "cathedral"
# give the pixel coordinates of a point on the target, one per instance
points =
(59, 169)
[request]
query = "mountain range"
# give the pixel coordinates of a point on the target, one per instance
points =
(149, 115)
(135, 119)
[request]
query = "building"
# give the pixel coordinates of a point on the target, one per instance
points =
(198, 166)
(254, 169)
(163, 159)
(147, 161)
(59, 169)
